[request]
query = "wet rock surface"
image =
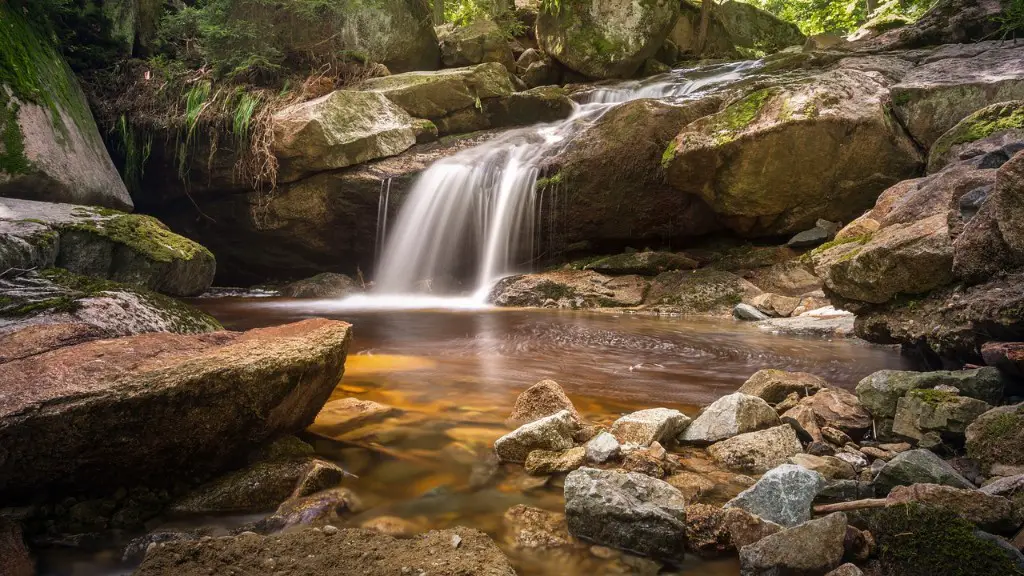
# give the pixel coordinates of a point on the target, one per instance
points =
(783, 495)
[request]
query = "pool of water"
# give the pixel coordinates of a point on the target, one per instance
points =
(454, 376)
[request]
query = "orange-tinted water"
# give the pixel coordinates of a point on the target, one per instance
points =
(455, 375)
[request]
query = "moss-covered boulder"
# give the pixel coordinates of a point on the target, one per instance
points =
(104, 309)
(1001, 119)
(759, 162)
(937, 95)
(130, 248)
(994, 440)
(326, 285)
(478, 42)
(750, 27)
(703, 291)
(686, 30)
(340, 129)
(935, 415)
(50, 148)
(160, 407)
(568, 289)
(605, 38)
(643, 263)
(436, 95)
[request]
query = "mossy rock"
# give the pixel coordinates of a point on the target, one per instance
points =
(434, 95)
(996, 436)
(997, 119)
(131, 248)
(704, 291)
(643, 263)
(915, 540)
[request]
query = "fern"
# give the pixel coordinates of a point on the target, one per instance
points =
(241, 123)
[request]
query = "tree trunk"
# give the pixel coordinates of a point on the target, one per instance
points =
(871, 6)
(438, 12)
(705, 20)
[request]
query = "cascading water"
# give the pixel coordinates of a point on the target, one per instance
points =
(480, 205)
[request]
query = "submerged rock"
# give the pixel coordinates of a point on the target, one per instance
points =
(340, 416)
(628, 511)
(130, 248)
(553, 433)
(344, 552)
(531, 528)
(783, 495)
(645, 427)
(318, 509)
(757, 452)
(731, 415)
(814, 547)
(134, 396)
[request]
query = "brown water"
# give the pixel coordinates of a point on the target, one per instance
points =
(455, 376)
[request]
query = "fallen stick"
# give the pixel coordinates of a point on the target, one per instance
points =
(854, 505)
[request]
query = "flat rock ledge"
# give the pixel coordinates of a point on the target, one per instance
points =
(331, 551)
(159, 406)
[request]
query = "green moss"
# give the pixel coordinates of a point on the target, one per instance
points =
(554, 180)
(142, 233)
(12, 156)
(738, 115)
(933, 397)
(982, 124)
(901, 98)
(554, 291)
(862, 239)
(887, 22)
(918, 541)
(1001, 424)
(669, 154)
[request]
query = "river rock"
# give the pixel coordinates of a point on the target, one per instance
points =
(814, 547)
(748, 313)
(751, 27)
(845, 491)
(774, 385)
(746, 528)
(605, 38)
(326, 285)
(787, 279)
(994, 438)
(643, 263)
(937, 95)
(731, 415)
(804, 422)
(757, 452)
(837, 408)
(552, 433)
(531, 528)
(990, 513)
(703, 291)
(435, 95)
(133, 249)
(628, 511)
(340, 129)
(320, 509)
(260, 487)
(542, 399)
(602, 448)
(228, 389)
(783, 495)
(346, 414)
(1008, 357)
(311, 551)
(1003, 119)
(1007, 487)
(755, 196)
(645, 427)
(14, 556)
(880, 392)
(543, 462)
(830, 467)
(923, 412)
(776, 305)
(475, 43)
(918, 467)
(573, 289)
(53, 150)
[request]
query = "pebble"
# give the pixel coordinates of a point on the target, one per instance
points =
(330, 530)
(456, 541)
(656, 450)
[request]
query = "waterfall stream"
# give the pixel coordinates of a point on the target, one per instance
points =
(480, 207)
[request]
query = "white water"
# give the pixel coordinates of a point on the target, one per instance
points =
(480, 206)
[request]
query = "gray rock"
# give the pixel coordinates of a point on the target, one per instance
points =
(845, 491)
(552, 433)
(731, 415)
(918, 467)
(749, 313)
(647, 426)
(810, 238)
(846, 570)
(774, 385)
(1007, 486)
(830, 467)
(814, 547)
(543, 462)
(602, 448)
(757, 452)
(783, 495)
(921, 412)
(880, 391)
(628, 511)
(855, 459)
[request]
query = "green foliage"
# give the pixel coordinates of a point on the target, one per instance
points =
(841, 16)
(465, 12)
(1011, 21)
(241, 123)
(12, 154)
(134, 145)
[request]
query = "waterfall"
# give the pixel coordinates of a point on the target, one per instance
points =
(475, 214)
(382, 216)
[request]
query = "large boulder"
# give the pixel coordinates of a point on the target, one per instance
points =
(329, 550)
(773, 386)
(918, 467)
(946, 22)
(605, 38)
(52, 150)
(568, 289)
(936, 415)
(731, 415)
(130, 248)
(750, 27)
(814, 547)
(881, 391)
(993, 440)
(686, 31)
(988, 512)
(340, 129)
(757, 452)
(647, 263)
(783, 495)
(478, 42)
(937, 95)
(992, 238)
(702, 291)
(70, 416)
(628, 511)
(1003, 119)
(753, 162)
(62, 308)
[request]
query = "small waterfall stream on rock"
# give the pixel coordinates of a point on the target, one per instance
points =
(481, 206)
